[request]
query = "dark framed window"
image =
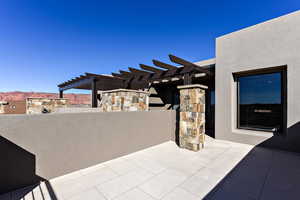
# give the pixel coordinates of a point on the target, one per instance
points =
(261, 100)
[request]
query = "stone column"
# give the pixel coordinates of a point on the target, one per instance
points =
(124, 100)
(192, 116)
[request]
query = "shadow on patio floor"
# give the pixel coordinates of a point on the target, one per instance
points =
(265, 172)
(17, 173)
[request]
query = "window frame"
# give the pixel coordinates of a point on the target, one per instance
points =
(283, 72)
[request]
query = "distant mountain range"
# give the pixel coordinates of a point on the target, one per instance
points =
(19, 96)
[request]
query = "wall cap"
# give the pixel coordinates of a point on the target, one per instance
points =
(192, 86)
(46, 98)
(124, 90)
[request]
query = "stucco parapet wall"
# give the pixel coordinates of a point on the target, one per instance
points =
(124, 90)
(192, 86)
(256, 27)
(211, 61)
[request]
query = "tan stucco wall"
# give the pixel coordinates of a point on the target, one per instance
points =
(62, 143)
(270, 44)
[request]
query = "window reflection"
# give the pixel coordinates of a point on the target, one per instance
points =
(260, 102)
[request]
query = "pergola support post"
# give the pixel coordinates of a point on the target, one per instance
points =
(192, 117)
(61, 94)
(94, 94)
(187, 79)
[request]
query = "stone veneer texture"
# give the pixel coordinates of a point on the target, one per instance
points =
(2, 103)
(192, 117)
(124, 100)
(44, 105)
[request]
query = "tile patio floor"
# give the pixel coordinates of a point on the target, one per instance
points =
(161, 172)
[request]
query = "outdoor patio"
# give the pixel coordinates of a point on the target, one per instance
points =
(164, 172)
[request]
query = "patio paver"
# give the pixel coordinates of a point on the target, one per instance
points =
(163, 171)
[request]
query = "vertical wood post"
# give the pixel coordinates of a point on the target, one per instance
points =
(94, 94)
(61, 94)
(187, 79)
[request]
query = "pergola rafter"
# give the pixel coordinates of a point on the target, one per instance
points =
(151, 69)
(163, 65)
(122, 76)
(188, 66)
(138, 72)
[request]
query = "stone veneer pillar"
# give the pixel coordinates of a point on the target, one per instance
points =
(192, 116)
(124, 100)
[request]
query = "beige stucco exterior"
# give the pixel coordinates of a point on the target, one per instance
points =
(269, 44)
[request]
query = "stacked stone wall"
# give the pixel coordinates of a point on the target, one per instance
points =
(44, 105)
(192, 117)
(2, 105)
(124, 100)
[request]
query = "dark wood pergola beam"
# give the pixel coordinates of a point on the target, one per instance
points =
(188, 66)
(103, 77)
(72, 81)
(121, 76)
(91, 74)
(143, 75)
(126, 73)
(163, 65)
(76, 84)
(138, 72)
(151, 69)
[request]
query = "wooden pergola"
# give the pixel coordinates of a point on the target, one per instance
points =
(141, 78)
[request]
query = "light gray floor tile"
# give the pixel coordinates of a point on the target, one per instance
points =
(163, 183)
(198, 186)
(180, 194)
(121, 166)
(121, 184)
(91, 194)
(148, 164)
(96, 177)
(135, 194)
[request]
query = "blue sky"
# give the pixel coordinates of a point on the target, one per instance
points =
(43, 43)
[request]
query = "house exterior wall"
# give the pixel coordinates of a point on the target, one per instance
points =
(270, 44)
(13, 107)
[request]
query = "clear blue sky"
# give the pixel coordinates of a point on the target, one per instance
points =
(45, 42)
